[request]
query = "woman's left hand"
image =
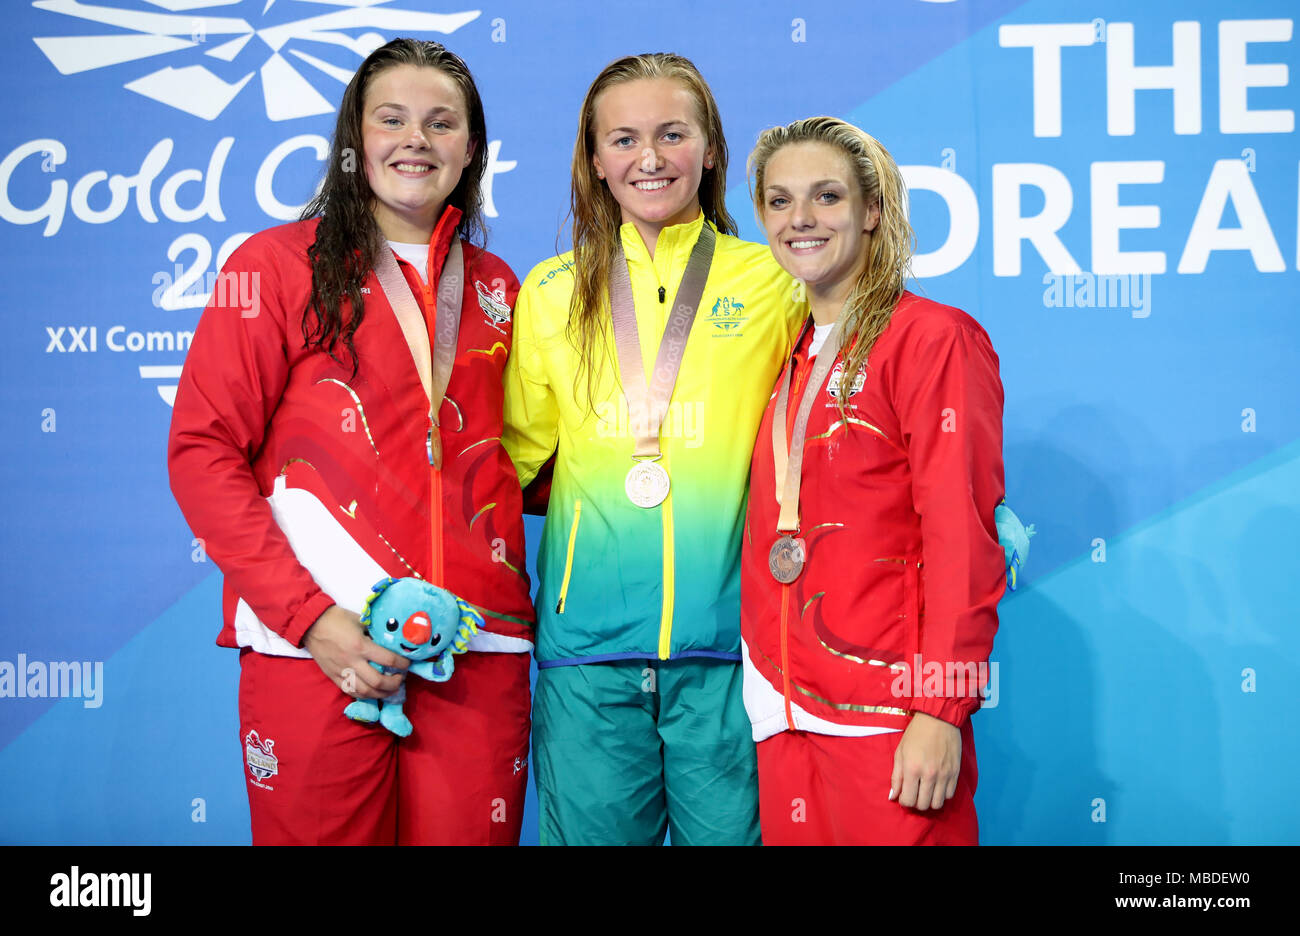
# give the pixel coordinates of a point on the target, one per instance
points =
(926, 763)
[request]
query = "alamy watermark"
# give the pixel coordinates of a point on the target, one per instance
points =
(1130, 291)
(679, 420)
(950, 679)
(65, 679)
(78, 888)
(239, 289)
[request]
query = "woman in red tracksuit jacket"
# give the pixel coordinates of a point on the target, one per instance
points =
(870, 586)
(302, 453)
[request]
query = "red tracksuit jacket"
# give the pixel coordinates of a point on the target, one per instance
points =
(896, 509)
(307, 485)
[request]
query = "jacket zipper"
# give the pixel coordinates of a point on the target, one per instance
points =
(785, 655)
(435, 475)
(670, 575)
(568, 561)
(435, 513)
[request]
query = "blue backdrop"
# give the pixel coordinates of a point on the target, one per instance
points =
(1113, 192)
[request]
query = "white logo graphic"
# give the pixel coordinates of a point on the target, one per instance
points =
(493, 302)
(200, 91)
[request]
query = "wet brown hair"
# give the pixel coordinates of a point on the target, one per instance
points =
(348, 239)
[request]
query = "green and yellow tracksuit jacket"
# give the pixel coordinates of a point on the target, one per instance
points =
(619, 581)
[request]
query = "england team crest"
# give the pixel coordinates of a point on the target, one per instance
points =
(493, 303)
(262, 764)
(834, 386)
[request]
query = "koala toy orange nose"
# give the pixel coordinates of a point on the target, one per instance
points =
(418, 628)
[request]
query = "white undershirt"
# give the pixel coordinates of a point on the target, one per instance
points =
(417, 255)
(820, 334)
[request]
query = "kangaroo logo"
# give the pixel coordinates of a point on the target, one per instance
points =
(727, 316)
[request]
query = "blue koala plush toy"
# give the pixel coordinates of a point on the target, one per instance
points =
(1013, 536)
(423, 623)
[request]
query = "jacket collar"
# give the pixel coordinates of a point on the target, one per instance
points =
(673, 240)
(440, 242)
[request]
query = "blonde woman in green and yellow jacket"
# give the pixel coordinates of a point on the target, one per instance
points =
(638, 719)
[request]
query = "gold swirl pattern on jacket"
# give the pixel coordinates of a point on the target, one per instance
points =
(360, 409)
(839, 424)
(841, 706)
(400, 557)
(284, 469)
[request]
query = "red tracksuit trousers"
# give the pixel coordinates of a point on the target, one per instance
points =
(816, 789)
(315, 776)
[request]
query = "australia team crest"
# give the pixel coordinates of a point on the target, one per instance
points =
(727, 317)
(494, 305)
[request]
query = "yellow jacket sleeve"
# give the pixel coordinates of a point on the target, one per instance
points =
(532, 416)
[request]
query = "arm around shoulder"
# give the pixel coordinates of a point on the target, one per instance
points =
(532, 415)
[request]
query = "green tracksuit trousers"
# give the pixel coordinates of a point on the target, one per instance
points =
(624, 751)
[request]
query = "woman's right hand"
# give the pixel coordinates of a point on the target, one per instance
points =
(340, 647)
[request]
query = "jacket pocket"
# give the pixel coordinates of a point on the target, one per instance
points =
(568, 559)
(915, 580)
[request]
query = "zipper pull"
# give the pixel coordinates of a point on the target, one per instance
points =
(662, 293)
(433, 443)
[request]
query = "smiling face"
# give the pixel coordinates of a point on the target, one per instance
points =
(816, 220)
(415, 132)
(651, 150)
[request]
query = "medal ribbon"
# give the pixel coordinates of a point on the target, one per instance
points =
(434, 374)
(647, 406)
(790, 467)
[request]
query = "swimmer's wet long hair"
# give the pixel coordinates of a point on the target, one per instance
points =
(597, 216)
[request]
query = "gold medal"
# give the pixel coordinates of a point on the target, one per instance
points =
(786, 559)
(647, 484)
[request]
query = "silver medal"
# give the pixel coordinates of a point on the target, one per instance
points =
(786, 559)
(647, 484)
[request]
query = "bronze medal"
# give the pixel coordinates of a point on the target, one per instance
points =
(786, 560)
(789, 553)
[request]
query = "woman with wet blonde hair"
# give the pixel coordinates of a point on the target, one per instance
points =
(643, 360)
(872, 567)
